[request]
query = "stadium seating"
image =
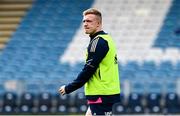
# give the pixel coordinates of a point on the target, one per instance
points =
(135, 105)
(45, 52)
(9, 103)
(62, 104)
(169, 28)
(27, 103)
(44, 102)
(11, 13)
(172, 103)
(153, 103)
(120, 107)
(80, 102)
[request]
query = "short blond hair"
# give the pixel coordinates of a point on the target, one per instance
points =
(93, 11)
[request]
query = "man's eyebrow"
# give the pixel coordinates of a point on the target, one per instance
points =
(86, 20)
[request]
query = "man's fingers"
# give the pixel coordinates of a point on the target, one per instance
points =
(63, 93)
(62, 90)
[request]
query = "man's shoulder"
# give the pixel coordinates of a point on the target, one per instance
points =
(98, 43)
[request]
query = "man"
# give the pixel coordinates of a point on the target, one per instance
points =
(100, 73)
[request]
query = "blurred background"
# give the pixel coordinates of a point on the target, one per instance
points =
(42, 46)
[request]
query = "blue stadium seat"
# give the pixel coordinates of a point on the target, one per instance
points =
(155, 87)
(44, 102)
(170, 87)
(62, 100)
(143, 74)
(27, 103)
(80, 98)
(120, 107)
(132, 65)
(135, 105)
(6, 75)
(138, 87)
(172, 103)
(10, 98)
(9, 103)
(8, 110)
(153, 103)
(62, 106)
(62, 109)
(80, 102)
(33, 88)
(149, 66)
(50, 86)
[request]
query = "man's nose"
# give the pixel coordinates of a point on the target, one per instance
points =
(85, 24)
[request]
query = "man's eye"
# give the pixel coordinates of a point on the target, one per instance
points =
(86, 21)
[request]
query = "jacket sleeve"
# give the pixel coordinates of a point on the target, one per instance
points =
(97, 51)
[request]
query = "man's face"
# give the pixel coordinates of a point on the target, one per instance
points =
(91, 24)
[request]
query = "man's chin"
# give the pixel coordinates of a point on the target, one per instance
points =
(87, 32)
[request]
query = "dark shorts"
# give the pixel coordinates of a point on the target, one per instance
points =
(102, 105)
(101, 109)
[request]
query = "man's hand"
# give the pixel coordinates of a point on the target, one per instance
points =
(62, 90)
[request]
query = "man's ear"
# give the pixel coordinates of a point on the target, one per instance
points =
(98, 24)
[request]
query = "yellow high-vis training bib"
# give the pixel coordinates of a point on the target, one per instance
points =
(105, 81)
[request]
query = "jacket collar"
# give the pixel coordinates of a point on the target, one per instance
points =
(97, 33)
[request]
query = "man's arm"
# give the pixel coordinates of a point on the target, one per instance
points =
(99, 50)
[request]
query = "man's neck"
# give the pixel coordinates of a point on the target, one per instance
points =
(97, 33)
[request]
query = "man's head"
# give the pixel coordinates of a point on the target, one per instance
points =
(92, 21)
